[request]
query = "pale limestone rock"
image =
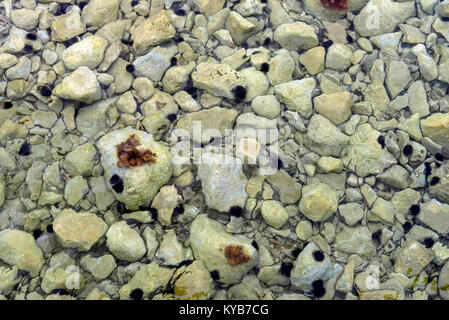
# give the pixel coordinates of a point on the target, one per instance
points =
(148, 278)
(124, 242)
(209, 7)
(140, 183)
(18, 248)
(79, 230)
(412, 258)
(313, 60)
(165, 201)
(318, 202)
(297, 95)
(209, 241)
(88, 52)
(154, 64)
(223, 181)
(436, 127)
(274, 214)
(281, 68)
(195, 283)
(336, 107)
(382, 16)
(152, 31)
(338, 57)
(355, 240)
(296, 36)
(67, 26)
(215, 118)
(364, 155)
(80, 85)
(239, 27)
(218, 79)
(323, 137)
(97, 13)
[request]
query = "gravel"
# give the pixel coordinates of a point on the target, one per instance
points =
(221, 149)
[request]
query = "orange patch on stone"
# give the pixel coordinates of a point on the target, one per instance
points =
(235, 255)
(129, 156)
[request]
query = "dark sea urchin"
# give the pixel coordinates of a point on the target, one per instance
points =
(336, 4)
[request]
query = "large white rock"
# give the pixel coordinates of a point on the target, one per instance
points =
(140, 183)
(18, 248)
(88, 52)
(80, 85)
(223, 182)
(232, 256)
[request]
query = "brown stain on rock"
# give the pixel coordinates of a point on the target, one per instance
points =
(235, 255)
(129, 156)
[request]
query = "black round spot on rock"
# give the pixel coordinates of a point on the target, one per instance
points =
(267, 42)
(173, 62)
(134, 3)
(130, 68)
(286, 268)
(192, 91)
(236, 211)
(296, 252)
(37, 233)
(318, 255)
(62, 8)
(31, 36)
(239, 93)
(263, 1)
(428, 169)
(171, 117)
(445, 19)
(180, 12)
(349, 39)
(119, 187)
(428, 242)
(115, 179)
(154, 213)
(255, 245)
(45, 91)
(7, 105)
(407, 226)
(120, 207)
(117, 183)
(265, 67)
(439, 157)
(435, 180)
(178, 210)
(127, 42)
(177, 5)
(280, 164)
(414, 209)
(215, 274)
(376, 235)
(25, 149)
(136, 294)
(28, 48)
(326, 44)
(408, 149)
(178, 39)
(81, 5)
(318, 288)
(381, 141)
(50, 228)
